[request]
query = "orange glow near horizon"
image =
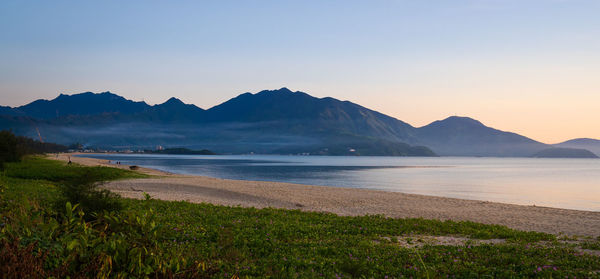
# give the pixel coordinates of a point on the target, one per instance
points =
(547, 102)
(529, 67)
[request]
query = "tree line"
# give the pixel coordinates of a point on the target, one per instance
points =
(13, 148)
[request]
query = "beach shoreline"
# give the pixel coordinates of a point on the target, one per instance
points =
(344, 201)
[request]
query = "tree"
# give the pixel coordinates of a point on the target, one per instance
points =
(10, 151)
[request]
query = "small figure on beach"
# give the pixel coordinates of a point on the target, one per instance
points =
(69, 161)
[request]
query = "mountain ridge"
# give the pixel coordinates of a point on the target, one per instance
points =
(590, 144)
(464, 136)
(280, 120)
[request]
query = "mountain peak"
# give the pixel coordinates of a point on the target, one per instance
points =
(173, 101)
(87, 94)
(282, 90)
(86, 103)
(461, 120)
(590, 144)
(583, 140)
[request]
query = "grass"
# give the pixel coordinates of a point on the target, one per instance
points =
(179, 239)
(591, 244)
(39, 168)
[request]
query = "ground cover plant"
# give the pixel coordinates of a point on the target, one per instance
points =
(45, 233)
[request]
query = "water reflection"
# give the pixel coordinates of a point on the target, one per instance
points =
(564, 183)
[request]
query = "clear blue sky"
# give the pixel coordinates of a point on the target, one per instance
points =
(531, 67)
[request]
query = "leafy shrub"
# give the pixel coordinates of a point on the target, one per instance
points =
(35, 244)
(10, 151)
(23, 262)
(84, 190)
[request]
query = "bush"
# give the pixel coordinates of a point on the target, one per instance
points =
(84, 190)
(115, 245)
(10, 151)
(22, 262)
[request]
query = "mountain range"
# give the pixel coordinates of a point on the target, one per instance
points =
(271, 121)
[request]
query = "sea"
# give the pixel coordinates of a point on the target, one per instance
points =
(559, 183)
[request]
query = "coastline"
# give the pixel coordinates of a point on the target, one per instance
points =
(345, 201)
(85, 161)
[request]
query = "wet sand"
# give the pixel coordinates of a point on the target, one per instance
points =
(348, 201)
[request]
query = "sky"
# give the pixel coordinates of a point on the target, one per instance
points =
(526, 66)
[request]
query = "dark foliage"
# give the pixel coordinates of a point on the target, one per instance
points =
(12, 147)
(17, 261)
(84, 190)
(113, 246)
(10, 150)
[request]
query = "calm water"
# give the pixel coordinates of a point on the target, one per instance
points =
(563, 183)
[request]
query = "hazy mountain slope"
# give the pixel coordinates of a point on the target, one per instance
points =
(561, 152)
(592, 145)
(277, 121)
(8, 111)
(270, 121)
(22, 126)
(463, 136)
(309, 114)
(219, 137)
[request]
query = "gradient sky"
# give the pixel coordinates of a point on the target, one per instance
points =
(527, 66)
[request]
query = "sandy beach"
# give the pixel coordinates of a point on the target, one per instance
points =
(346, 201)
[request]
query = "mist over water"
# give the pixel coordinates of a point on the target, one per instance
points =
(561, 183)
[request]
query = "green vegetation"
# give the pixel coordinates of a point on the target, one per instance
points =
(12, 147)
(591, 245)
(160, 239)
(36, 167)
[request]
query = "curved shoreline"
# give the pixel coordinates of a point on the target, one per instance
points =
(347, 201)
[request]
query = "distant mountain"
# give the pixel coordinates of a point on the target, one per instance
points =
(271, 121)
(557, 152)
(87, 103)
(90, 108)
(8, 111)
(173, 110)
(592, 145)
(294, 110)
(463, 136)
